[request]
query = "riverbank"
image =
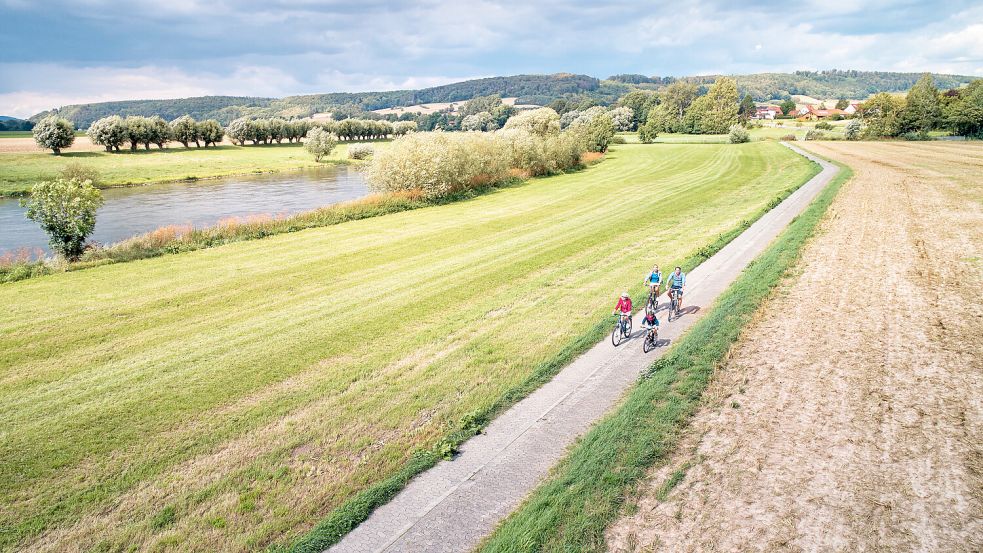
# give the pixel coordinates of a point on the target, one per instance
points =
(20, 171)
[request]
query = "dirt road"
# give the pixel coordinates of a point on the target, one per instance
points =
(850, 417)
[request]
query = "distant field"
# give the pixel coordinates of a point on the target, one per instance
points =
(228, 398)
(768, 132)
(19, 171)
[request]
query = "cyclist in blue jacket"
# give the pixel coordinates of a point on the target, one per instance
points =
(676, 283)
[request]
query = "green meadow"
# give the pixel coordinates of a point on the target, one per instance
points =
(230, 398)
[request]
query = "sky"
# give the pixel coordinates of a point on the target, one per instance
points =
(58, 52)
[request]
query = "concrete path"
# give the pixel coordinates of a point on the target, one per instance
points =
(454, 505)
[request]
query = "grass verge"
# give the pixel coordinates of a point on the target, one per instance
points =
(588, 489)
(350, 514)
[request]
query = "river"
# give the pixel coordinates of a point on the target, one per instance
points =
(138, 209)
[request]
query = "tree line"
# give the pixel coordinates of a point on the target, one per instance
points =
(924, 109)
(115, 132)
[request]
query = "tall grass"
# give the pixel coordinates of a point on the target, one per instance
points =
(587, 491)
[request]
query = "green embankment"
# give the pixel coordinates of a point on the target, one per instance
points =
(588, 489)
(18, 172)
(230, 397)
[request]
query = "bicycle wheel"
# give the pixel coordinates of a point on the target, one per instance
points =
(649, 343)
(672, 307)
(616, 334)
(628, 327)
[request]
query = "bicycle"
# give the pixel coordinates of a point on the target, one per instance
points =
(653, 301)
(622, 329)
(674, 303)
(651, 339)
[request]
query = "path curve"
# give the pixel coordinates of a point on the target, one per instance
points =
(455, 504)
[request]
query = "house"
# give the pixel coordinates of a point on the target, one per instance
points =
(813, 113)
(767, 112)
(852, 109)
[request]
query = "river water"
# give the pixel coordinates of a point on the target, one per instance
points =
(139, 209)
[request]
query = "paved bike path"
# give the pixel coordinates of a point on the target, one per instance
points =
(455, 504)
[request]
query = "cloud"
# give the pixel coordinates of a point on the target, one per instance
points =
(70, 51)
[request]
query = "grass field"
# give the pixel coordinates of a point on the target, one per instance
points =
(19, 171)
(228, 398)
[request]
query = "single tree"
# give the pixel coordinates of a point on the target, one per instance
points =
(184, 129)
(650, 129)
(158, 131)
(842, 103)
(66, 211)
(714, 112)
(210, 132)
(746, 110)
(109, 132)
(54, 133)
(239, 131)
(922, 112)
(788, 106)
(319, 143)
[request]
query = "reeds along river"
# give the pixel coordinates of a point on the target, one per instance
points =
(139, 209)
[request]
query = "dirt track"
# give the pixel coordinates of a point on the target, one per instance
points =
(850, 417)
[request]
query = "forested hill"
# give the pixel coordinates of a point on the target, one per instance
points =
(833, 83)
(529, 89)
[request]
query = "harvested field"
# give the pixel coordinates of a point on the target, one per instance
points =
(850, 417)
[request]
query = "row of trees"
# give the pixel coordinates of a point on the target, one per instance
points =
(114, 131)
(276, 130)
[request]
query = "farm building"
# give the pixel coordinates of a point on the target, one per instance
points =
(767, 112)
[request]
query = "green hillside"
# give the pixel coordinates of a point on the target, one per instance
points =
(833, 83)
(529, 89)
(539, 89)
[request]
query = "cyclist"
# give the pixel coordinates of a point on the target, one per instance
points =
(653, 281)
(651, 323)
(676, 283)
(623, 307)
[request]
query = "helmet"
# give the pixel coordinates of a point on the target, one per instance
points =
(624, 294)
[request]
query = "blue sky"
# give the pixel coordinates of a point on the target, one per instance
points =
(56, 52)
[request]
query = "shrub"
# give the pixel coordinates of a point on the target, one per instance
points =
(618, 139)
(814, 134)
(54, 133)
(739, 135)
(403, 127)
(623, 119)
(481, 121)
(789, 137)
(66, 211)
(595, 134)
(319, 143)
(542, 121)
(649, 130)
(853, 129)
(360, 151)
(77, 171)
(438, 163)
(916, 135)
(824, 126)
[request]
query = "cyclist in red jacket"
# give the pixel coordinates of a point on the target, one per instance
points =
(624, 306)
